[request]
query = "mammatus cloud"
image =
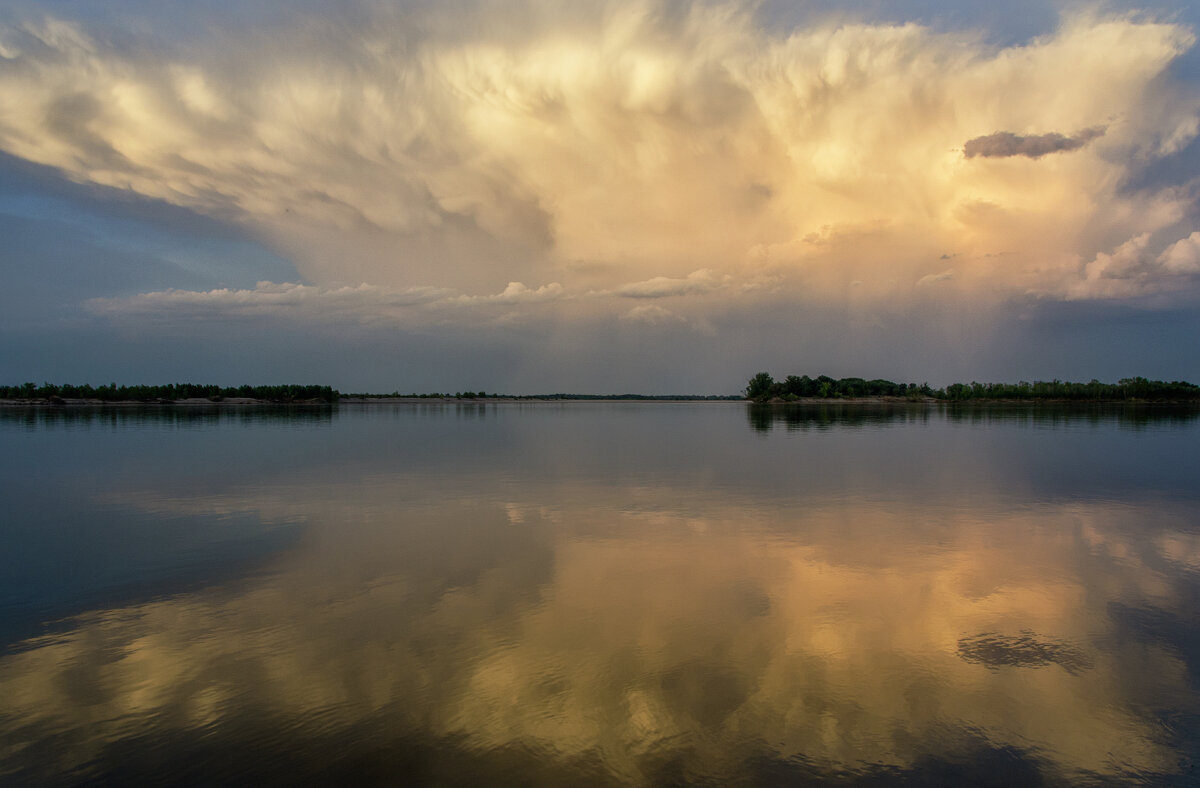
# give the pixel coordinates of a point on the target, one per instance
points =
(464, 149)
(1005, 143)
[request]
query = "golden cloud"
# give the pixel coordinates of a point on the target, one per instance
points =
(646, 143)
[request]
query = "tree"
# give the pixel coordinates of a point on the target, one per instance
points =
(761, 385)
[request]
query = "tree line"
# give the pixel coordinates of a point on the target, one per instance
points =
(762, 387)
(169, 392)
(640, 397)
(433, 395)
(559, 396)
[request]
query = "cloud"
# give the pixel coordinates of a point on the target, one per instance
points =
(1127, 260)
(1004, 144)
(291, 300)
(1133, 269)
(517, 293)
(422, 146)
(702, 281)
(267, 297)
(651, 314)
(1183, 256)
(314, 303)
(930, 279)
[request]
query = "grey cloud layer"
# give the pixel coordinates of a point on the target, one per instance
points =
(1004, 143)
(371, 303)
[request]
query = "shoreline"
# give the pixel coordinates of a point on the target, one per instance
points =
(248, 402)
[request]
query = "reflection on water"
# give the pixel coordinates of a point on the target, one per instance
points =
(1025, 650)
(160, 416)
(803, 416)
(503, 606)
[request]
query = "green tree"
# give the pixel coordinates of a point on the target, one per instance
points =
(761, 385)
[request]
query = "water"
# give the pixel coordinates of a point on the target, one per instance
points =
(600, 594)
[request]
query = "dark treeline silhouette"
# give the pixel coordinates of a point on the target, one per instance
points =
(762, 387)
(433, 395)
(168, 393)
(1125, 389)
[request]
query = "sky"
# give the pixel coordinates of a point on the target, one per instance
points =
(605, 197)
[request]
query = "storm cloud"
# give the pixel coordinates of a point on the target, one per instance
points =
(632, 142)
(426, 166)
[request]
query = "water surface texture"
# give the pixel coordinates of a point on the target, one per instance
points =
(600, 594)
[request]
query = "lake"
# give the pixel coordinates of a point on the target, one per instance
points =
(705, 593)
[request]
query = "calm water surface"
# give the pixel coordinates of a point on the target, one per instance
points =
(600, 594)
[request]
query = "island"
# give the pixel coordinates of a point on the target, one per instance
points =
(763, 388)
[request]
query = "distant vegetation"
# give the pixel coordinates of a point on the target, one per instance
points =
(482, 395)
(434, 395)
(763, 387)
(170, 392)
(643, 397)
(179, 391)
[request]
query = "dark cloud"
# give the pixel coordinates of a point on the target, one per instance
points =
(1026, 650)
(1004, 143)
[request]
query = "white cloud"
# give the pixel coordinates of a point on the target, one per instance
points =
(651, 314)
(288, 300)
(1133, 269)
(267, 297)
(517, 293)
(313, 303)
(702, 281)
(1125, 261)
(930, 279)
(1183, 256)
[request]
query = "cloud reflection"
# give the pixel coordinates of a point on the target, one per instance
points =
(621, 638)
